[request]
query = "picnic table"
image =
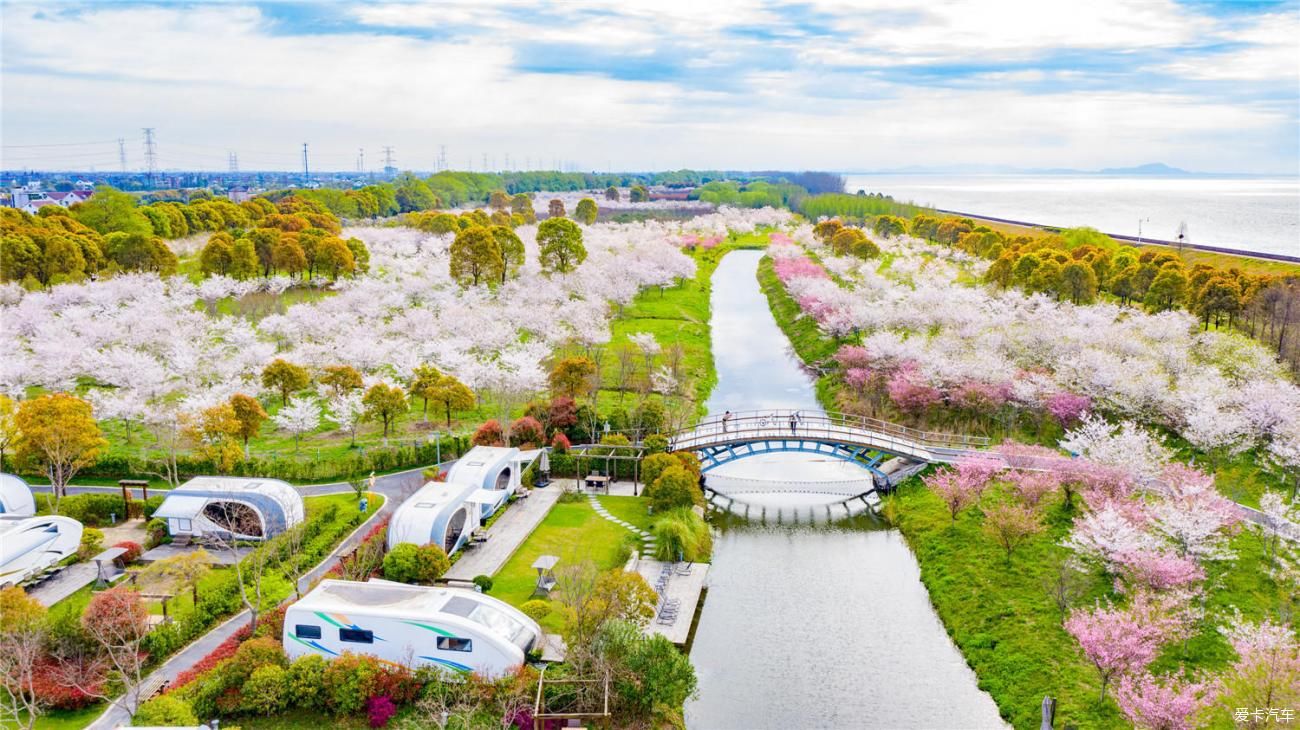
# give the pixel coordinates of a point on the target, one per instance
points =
(597, 481)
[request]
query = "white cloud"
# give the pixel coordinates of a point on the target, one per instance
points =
(213, 78)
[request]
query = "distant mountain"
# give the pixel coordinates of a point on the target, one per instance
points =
(1151, 168)
(1155, 169)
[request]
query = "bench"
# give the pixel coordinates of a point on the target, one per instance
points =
(153, 685)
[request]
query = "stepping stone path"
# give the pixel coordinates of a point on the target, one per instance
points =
(647, 540)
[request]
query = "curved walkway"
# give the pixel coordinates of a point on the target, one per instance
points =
(647, 540)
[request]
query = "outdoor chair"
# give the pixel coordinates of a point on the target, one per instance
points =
(684, 568)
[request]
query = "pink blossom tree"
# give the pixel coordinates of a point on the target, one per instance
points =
(956, 491)
(1267, 670)
(1030, 487)
(1157, 570)
(1168, 703)
(1011, 525)
(1118, 640)
(1068, 408)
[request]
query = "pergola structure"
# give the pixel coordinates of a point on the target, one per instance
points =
(611, 454)
(566, 702)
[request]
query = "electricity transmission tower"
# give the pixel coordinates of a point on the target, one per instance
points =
(305, 169)
(388, 160)
(121, 152)
(150, 154)
(234, 161)
(361, 160)
(442, 157)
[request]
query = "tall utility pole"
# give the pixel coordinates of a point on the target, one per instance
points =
(442, 157)
(234, 161)
(305, 170)
(121, 152)
(361, 160)
(150, 154)
(485, 167)
(388, 159)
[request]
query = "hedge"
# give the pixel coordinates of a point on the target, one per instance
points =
(380, 459)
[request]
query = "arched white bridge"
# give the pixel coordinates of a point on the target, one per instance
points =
(863, 441)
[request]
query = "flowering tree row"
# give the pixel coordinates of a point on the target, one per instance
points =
(930, 337)
(1157, 530)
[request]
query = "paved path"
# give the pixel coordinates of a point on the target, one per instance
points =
(394, 487)
(64, 583)
(507, 534)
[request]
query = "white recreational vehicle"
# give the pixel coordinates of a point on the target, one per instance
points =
(29, 545)
(248, 509)
(16, 498)
(453, 628)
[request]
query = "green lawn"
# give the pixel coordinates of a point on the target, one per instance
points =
(572, 532)
(635, 510)
(69, 719)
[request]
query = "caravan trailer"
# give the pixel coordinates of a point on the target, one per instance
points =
(456, 629)
(16, 498)
(29, 545)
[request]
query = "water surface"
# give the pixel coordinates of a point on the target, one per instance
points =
(811, 627)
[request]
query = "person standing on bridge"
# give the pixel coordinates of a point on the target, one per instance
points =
(794, 423)
(726, 418)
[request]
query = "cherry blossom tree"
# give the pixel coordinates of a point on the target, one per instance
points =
(298, 417)
(1011, 525)
(1267, 670)
(348, 411)
(1163, 703)
(956, 491)
(1118, 641)
(1108, 534)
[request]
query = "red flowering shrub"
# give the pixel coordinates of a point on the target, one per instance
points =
(489, 434)
(527, 431)
(381, 710)
(133, 551)
(560, 443)
(52, 690)
(224, 651)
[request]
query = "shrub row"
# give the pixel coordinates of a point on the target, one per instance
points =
(325, 470)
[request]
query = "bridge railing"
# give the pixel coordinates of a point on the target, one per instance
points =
(818, 423)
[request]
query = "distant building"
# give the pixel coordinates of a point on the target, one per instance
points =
(31, 198)
(239, 195)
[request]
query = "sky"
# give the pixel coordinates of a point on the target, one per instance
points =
(630, 85)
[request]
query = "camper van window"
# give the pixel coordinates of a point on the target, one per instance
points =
(306, 631)
(357, 636)
(451, 643)
(184, 525)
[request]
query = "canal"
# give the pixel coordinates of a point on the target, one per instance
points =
(811, 626)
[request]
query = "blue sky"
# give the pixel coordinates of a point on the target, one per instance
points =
(868, 84)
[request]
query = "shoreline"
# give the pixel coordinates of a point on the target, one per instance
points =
(1262, 255)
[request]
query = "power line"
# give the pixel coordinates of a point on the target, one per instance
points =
(58, 144)
(150, 154)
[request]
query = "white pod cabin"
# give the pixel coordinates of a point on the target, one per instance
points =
(30, 545)
(248, 509)
(16, 498)
(456, 629)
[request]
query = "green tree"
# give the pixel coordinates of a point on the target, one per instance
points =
(244, 263)
(360, 254)
(386, 404)
(412, 193)
(612, 194)
(476, 257)
(218, 254)
(452, 395)
(423, 380)
(512, 251)
(1078, 283)
(265, 241)
(586, 211)
(285, 378)
(112, 211)
(62, 260)
(1167, 290)
(639, 194)
(498, 200)
(139, 252)
(288, 256)
(333, 258)
(411, 563)
(1219, 297)
(560, 244)
(674, 488)
(165, 711)
(340, 378)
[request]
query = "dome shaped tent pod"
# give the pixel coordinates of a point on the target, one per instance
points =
(246, 509)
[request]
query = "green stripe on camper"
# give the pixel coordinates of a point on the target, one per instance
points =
(326, 618)
(434, 629)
